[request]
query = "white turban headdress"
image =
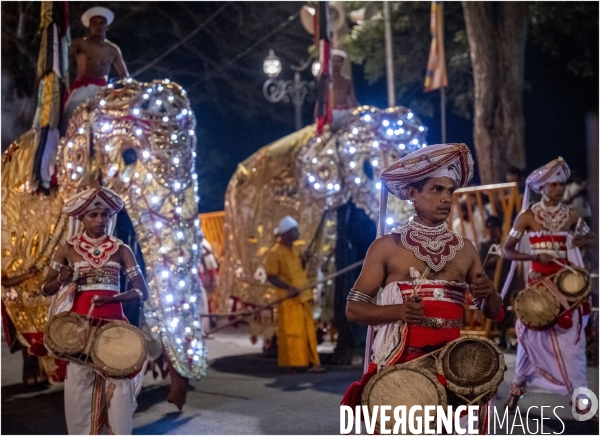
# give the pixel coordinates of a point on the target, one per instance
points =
(556, 170)
(286, 224)
(97, 11)
(91, 199)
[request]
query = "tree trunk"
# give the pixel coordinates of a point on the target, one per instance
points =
(497, 34)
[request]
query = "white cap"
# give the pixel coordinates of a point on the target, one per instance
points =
(285, 225)
(97, 11)
(338, 52)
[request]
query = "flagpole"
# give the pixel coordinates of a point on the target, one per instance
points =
(388, 55)
(443, 112)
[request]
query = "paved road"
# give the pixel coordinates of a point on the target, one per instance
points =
(244, 393)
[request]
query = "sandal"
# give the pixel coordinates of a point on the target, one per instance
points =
(317, 369)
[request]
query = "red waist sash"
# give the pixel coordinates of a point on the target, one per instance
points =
(85, 81)
(83, 301)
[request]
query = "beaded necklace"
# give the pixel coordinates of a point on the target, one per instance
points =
(95, 251)
(433, 245)
(553, 218)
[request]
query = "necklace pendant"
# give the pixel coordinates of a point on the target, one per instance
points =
(96, 252)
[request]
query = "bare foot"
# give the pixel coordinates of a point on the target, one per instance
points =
(317, 368)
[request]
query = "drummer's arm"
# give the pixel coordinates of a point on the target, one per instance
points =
(55, 279)
(369, 282)
(485, 296)
(509, 250)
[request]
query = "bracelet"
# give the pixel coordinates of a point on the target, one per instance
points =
(56, 266)
(58, 280)
(355, 295)
(140, 293)
(132, 272)
(43, 291)
(515, 233)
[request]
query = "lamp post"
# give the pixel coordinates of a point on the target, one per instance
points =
(296, 91)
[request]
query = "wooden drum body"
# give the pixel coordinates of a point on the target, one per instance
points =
(119, 349)
(537, 308)
(574, 283)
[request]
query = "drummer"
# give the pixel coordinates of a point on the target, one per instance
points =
(425, 269)
(84, 278)
(554, 359)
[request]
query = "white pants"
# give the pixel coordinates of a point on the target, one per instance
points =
(85, 401)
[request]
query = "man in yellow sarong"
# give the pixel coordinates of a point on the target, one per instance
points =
(296, 331)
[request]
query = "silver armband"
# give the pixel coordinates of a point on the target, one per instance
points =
(55, 265)
(140, 293)
(132, 272)
(355, 295)
(515, 233)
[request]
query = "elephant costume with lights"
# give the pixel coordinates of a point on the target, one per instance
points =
(310, 177)
(138, 140)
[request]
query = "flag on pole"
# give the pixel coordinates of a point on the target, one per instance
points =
(436, 65)
(324, 84)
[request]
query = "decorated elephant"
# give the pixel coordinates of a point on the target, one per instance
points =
(137, 139)
(310, 177)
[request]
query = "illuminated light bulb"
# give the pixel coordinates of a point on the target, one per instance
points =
(69, 165)
(106, 127)
(375, 144)
(390, 221)
(196, 358)
(129, 80)
(70, 144)
(138, 132)
(329, 151)
(336, 186)
(181, 283)
(421, 128)
(149, 176)
(314, 160)
(196, 190)
(330, 186)
(367, 118)
(180, 260)
(355, 131)
(149, 90)
(188, 330)
(165, 119)
(401, 130)
(415, 141)
(400, 122)
(196, 324)
(169, 298)
(145, 154)
(189, 351)
(138, 191)
(378, 185)
(179, 235)
(183, 92)
(107, 147)
(162, 250)
(409, 115)
(159, 87)
(136, 111)
(352, 150)
(390, 132)
(375, 162)
(317, 186)
(186, 306)
(357, 180)
(158, 102)
(352, 164)
(194, 271)
(177, 186)
(191, 132)
(174, 322)
(165, 274)
(193, 299)
(385, 123)
(136, 175)
(146, 96)
(173, 137)
(158, 225)
(178, 340)
(423, 145)
(193, 154)
(170, 98)
(102, 102)
(194, 247)
(79, 169)
(401, 146)
(73, 176)
(194, 176)
(166, 81)
(126, 180)
(318, 140)
(197, 222)
(184, 112)
(155, 199)
(178, 210)
(112, 170)
(397, 132)
(81, 130)
(311, 179)
(109, 86)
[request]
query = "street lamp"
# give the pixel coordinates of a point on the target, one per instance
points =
(295, 90)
